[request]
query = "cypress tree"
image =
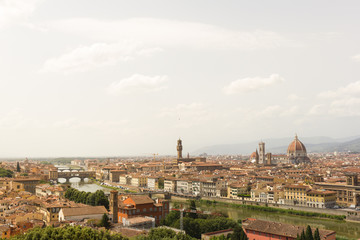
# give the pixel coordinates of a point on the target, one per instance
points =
(105, 221)
(308, 234)
(316, 234)
(17, 167)
(302, 236)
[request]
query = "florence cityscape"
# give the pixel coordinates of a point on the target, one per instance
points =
(183, 120)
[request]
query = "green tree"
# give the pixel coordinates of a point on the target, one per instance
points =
(68, 233)
(6, 173)
(302, 236)
(316, 234)
(161, 183)
(238, 234)
(308, 233)
(171, 218)
(193, 208)
(18, 167)
(105, 221)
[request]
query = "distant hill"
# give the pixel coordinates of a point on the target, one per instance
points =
(279, 146)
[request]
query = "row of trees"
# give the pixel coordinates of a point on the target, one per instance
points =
(97, 198)
(309, 235)
(164, 233)
(68, 233)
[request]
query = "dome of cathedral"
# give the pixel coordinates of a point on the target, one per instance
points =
(296, 146)
(254, 155)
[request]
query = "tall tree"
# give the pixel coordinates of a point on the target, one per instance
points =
(316, 234)
(302, 236)
(105, 221)
(308, 234)
(193, 208)
(18, 167)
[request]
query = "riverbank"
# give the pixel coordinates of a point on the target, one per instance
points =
(317, 211)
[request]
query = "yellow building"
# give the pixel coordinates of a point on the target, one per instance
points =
(295, 194)
(321, 198)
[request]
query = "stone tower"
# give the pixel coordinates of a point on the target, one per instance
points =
(179, 149)
(268, 158)
(114, 207)
(262, 152)
(257, 157)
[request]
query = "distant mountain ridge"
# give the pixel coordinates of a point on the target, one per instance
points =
(279, 146)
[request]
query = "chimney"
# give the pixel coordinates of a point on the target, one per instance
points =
(114, 205)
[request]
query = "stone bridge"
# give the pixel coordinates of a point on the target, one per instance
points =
(55, 175)
(70, 170)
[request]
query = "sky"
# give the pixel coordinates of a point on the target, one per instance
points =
(115, 78)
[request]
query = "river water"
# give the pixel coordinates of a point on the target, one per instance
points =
(84, 185)
(342, 228)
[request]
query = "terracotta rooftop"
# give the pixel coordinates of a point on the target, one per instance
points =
(281, 229)
(89, 210)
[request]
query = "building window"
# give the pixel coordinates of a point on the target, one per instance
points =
(144, 210)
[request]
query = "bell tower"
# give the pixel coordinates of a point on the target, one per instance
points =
(179, 149)
(262, 153)
(114, 205)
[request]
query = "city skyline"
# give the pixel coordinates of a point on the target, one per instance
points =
(130, 78)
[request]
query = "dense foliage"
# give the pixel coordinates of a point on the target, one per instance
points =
(196, 224)
(97, 198)
(68, 233)
(273, 209)
(5, 172)
(18, 167)
(164, 233)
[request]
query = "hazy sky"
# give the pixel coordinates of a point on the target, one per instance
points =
(107, 78)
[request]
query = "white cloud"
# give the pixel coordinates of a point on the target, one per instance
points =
(252, 84)
(356, 58)
(318, 109)
(85, 58)
(16, 11)
(342, 102)
(345, 107)
(352, 89)
(138, 83)
(170, 33)
(269, 112)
